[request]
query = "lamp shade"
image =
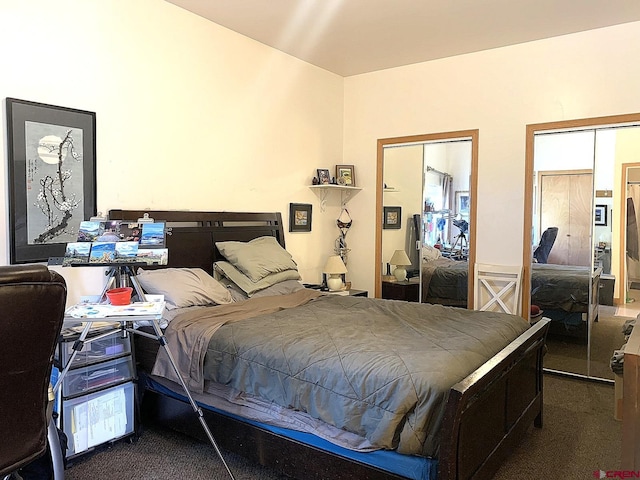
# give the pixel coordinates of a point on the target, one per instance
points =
(400, 257)
(335, 265)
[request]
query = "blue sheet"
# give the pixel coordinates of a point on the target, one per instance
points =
(409, 466)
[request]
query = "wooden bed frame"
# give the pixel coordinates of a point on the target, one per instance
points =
(486, 413)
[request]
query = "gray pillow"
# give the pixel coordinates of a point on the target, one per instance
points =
(258, 258)
(184, 287)
(246, 284)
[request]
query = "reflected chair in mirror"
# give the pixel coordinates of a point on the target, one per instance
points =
(548, 238)
(32, 303)
(497, 288)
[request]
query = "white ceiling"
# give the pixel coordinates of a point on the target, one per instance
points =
(350, 37)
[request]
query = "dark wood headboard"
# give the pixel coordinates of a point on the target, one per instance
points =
(192, 235)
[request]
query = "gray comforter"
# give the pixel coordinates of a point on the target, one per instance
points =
(379, 368)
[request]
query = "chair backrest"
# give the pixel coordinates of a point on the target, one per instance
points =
(32, 303)
(497, 288)
(548, 238)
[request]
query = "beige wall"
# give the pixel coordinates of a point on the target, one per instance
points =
(192, 115)
(499, 92)
(189, 114)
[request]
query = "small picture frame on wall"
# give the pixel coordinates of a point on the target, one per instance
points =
(324, 177)
(345, 175)
(462, 202)
(392, 218)
(299, 217)
(600, 215)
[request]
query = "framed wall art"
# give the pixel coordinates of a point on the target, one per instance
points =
(600, 215)
(52, 177)
(462, 202)
(392, 218)
(299, 217)
(345, 175)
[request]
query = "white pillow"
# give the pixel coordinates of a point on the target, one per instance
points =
(430, 253)
(184, 287)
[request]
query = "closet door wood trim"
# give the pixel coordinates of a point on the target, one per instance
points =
(528, 185)
(473, 188)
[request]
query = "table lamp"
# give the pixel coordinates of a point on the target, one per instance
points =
(400, 259)
(334, 268)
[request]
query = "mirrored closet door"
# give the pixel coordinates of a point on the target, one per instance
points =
(426, 212)
(577, 272)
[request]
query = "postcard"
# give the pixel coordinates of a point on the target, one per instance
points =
(89, 231)
(126, 251)
(130, 232)
(102, 252)
(76, 252)
(152, 235)
(153, 256)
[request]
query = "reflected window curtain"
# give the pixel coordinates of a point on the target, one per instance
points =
(447, 201)
(633, 249)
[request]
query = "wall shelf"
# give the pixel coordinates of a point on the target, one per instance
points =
(346, 193)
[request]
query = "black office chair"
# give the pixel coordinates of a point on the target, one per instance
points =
(541, 253)
(32, 303)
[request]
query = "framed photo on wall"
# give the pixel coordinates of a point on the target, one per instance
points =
(600, 215)
(392, 218)
(345, 175)
(462, 202)
(52, 177)
(299, 217)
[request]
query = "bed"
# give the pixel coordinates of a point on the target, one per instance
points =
(561, 291)
(478, 418)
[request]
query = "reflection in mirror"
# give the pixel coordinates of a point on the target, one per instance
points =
(577, 270)
(426, 186)
(562, 218)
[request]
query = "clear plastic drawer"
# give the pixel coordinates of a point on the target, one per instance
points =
(97, 418)
(93, 351)
(96, 376)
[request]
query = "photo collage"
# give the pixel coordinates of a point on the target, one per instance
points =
(109, 242)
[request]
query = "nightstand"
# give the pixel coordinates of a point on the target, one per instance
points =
(407, 291)
(352, 293)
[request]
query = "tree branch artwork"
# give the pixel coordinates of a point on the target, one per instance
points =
(52, 177)
(52, 200)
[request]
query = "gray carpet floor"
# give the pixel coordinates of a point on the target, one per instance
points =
(579, 436)
(570, 355)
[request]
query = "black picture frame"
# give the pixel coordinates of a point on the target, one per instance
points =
(43, 216)
(392, 218)
(324, 177)
(300, 217)
(600, 215)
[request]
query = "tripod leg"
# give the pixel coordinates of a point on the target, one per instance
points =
(194, 405)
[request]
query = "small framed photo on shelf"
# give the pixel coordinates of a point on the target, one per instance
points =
(392, 218)
(345, 175)
(324, 177)
(300, 217)
(600, 215)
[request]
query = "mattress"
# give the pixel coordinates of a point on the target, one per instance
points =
(553, 287)
(378, 368)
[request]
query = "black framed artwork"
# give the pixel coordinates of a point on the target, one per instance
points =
(299, 217)
(52, 177)
(600, 215)
(392, 218)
